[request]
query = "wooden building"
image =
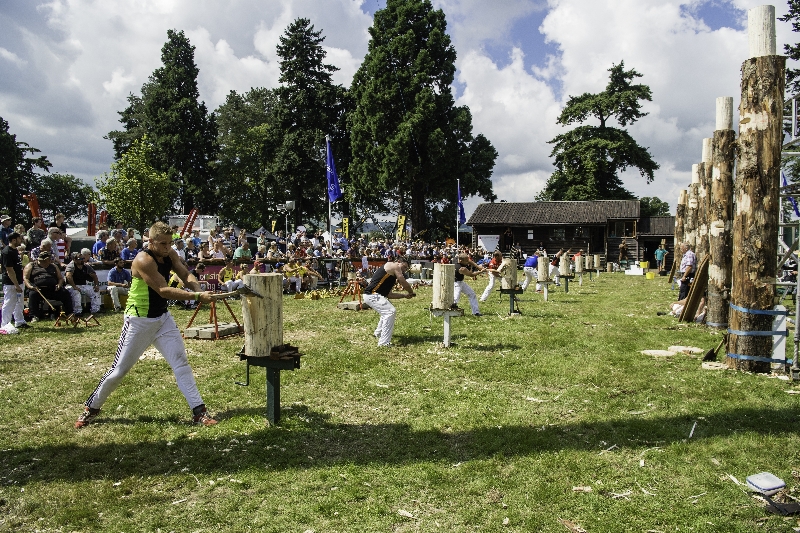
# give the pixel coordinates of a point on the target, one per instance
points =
(598, 227)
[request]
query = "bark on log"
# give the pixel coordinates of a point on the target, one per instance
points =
(720, 234)
(597, 261)
(443, 285)
(755, 222)
(563, 265)
(263, 317)
(579, 264)
(680, 219)
(701, 223)
(543, 268)
(508, 274)
(690, 220)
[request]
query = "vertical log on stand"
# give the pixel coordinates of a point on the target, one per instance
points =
(508, 274)
(720, 216)
(703, 201)
(444, 279)
(755, 221)
(263, 317)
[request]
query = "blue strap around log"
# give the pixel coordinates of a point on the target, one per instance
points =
(769, 333)
(758, 311)
(760, 359)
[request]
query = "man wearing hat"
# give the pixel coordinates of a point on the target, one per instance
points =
(12, 285)
(5, 229)
(43, 275)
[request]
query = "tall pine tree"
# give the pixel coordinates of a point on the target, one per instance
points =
(589, 158)
(409, 142)
(310, 107)
(179, 128)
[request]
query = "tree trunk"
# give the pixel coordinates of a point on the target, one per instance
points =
(755, 222)
(690, 221)
(701, 222)
(508, 274)
(720, 224)
(263, 317)
(680, 220)
(444, 279)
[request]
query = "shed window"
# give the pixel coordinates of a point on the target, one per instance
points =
(557, 234)
(530, 234)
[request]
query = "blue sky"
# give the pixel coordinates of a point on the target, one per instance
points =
(66, 67)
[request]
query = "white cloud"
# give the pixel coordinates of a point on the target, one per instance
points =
(12, 57)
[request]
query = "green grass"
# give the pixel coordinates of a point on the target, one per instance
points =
(502, 425)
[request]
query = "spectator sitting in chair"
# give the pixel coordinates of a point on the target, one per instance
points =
(61, 224)
(110, 253)
(82, 280)
(228, 280)
(130, 250)
(59, 245)
(242, 253)
(119, 281)
(43, 275)
(99, 244)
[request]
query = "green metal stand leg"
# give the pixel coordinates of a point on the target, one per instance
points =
(273, 395)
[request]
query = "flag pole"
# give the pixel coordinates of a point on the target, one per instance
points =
(458, 213)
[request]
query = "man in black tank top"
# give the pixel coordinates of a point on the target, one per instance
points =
(379, 292)
(147, 322)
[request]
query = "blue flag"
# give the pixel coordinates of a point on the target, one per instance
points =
(334, 192)
(462, 219)
(791, 200)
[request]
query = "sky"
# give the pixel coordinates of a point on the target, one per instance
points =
(67, 67)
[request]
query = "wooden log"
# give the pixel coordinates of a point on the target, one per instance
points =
(508, 274)
(701, 226)
(543, 269)
(589, 262)
(444, 279)
(690, 220)
(579, 262)
(680, 219)
(761, 31)
(755, 220)
(563, 265)
(263, 317)
(597, 261)
(720, 217)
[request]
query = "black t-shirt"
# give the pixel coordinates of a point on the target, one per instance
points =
(11, 260)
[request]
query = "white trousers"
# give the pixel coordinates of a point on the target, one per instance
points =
(530, 274)
(12, 306)
(137, 334)
(115, 292)
(88, 290)
(463, 286)
(233, 284)
(298, 283)
(387, 314)
(488, 290)
(554, 274)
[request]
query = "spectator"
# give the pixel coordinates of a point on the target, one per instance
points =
(82, 280)
(88, 257)
(110, 253)
(687, 268)
(242, 253)
(12, 286)
(204, 254)
(227, 277)
(180, 247)
(130, 251)
(119, 281)
(190, 250)
(61, 224)
(44, 280)
(36, 233)
(59, 245)
(5, 229)
(100, 243)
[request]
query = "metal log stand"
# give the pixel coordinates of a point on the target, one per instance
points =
(285, 357)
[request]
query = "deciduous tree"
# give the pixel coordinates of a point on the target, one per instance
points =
(19, 174)
(133, 191)
(651, 206)
(589, 158)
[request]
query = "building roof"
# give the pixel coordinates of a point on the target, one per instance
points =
(543, 213)
(656, 226)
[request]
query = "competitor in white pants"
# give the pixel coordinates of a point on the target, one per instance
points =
(147, 321)
(379, 292)
(466, 267)
(530, 270)
(494, 273)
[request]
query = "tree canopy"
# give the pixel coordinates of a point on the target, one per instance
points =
(19, 173)
(409, 142)
(134, 191)
(650, 206)
(589, 158)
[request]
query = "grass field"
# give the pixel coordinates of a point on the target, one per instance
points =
(548, 421)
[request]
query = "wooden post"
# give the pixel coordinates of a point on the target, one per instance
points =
(680, 220)
(263, 317)
(543, 268)
(508, 274)
(755, 220)
(720, 216)
(444, 279)
(690, 221)
(579, 268)
(703, 200)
